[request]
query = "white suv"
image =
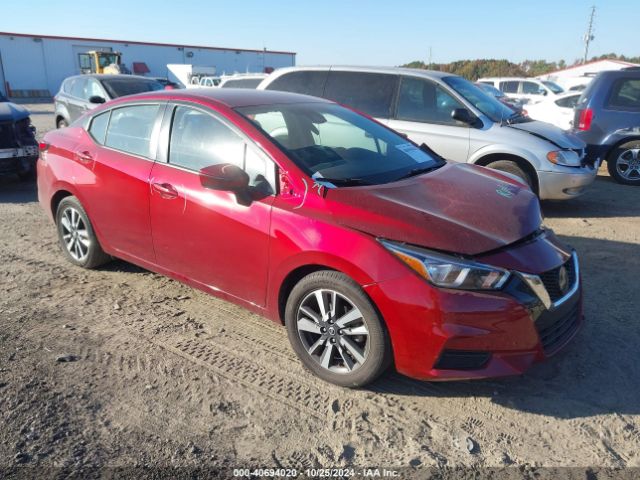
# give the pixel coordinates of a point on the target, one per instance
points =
(527, 90)
(454, 118)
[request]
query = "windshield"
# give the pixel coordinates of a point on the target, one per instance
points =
(554, 87)
(492, 108)
(338, 147)
(242, 83)
(106, 59)
(119, 86)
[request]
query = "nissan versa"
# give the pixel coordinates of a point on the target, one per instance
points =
(368, 247)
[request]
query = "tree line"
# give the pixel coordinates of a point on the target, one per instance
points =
(474, 69)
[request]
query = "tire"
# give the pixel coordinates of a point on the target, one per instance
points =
(623, 163)
(513, 168)
(62, 123)
(346, 357)
(76, 235)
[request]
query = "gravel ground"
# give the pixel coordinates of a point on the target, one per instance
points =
(121, 367)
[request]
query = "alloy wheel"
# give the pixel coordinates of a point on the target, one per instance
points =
(75, 234)
(333, 331)
(628, 164)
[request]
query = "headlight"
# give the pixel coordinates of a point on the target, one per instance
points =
(568, 158)
(447, 271)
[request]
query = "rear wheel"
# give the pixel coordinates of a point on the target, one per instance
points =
(336, 331)
(513, 168)
(623, 163)
(76, 235)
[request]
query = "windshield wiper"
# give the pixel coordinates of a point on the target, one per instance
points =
(419, 171)
(344, 182)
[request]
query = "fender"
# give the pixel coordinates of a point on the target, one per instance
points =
(617, 138)
(61, 111)
(503, 149)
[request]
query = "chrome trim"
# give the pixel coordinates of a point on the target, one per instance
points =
(535, 283)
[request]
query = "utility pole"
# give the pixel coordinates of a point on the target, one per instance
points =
(589, 35)
(429, 66)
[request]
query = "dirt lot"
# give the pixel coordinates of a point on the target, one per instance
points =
(165, 375)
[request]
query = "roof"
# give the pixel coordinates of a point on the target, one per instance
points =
(135, 42)
(367, 69)
(230, 97)
(613, 60)
(108, 76)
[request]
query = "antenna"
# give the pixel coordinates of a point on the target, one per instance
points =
(589, 35)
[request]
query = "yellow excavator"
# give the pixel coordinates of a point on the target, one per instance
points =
(100, 62)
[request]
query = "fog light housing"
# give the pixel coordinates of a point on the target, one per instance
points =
(573, 190)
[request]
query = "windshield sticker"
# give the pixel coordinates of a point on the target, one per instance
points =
(413, 151)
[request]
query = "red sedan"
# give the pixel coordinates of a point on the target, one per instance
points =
(368, 247)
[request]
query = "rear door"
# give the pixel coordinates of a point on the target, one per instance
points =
(218, 238)
(114, 178)
(423, 113)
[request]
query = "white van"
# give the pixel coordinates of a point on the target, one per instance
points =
(454, 118)
(527, 90)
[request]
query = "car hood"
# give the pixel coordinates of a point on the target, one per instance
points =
(458, 208)
(12, 112)
(550, 133)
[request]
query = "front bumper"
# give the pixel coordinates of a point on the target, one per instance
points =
(440, 334)
(18, 160)
(566, 182)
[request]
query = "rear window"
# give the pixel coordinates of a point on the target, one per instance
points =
(242, 83)
(119, 87)
(370, 93)
(306, 82)
(625, 94)
(130, 129)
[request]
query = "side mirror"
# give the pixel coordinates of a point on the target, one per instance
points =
(463, 115)
(224, 176)
(96, 99)
(543, 92)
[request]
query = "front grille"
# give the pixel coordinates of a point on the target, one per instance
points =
(551, 280)
(556, 327)
(7, 135)
(462, 360)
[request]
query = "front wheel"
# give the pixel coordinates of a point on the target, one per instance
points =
(76, 235)
(336, 331)
(62, 123)
(513, 168)
(623, 163)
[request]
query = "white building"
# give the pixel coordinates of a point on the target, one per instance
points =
(35, 65)
(582, 74)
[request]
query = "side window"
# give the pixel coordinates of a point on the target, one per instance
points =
(424, 101)
(532, 88)
(274, 124)
(306, 82)
(130, 129)
(98, 127)
(371, 93)
(625, 94)
(199, 140)
(568, 102)
(509, 87)
(77, 87)
(93, 89)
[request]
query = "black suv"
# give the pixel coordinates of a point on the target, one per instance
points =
(607, 118)
(18, 145)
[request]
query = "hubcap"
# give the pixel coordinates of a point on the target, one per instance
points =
(333, 331)
(75, 234)
(628, 164)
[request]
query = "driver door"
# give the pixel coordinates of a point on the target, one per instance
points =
(210, 236)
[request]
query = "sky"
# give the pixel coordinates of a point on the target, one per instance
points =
(390, 32)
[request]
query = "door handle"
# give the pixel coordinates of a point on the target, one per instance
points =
(84, 157)
(166, 190)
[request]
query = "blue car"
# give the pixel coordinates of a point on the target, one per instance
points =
(607, 118)
(18, 145)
